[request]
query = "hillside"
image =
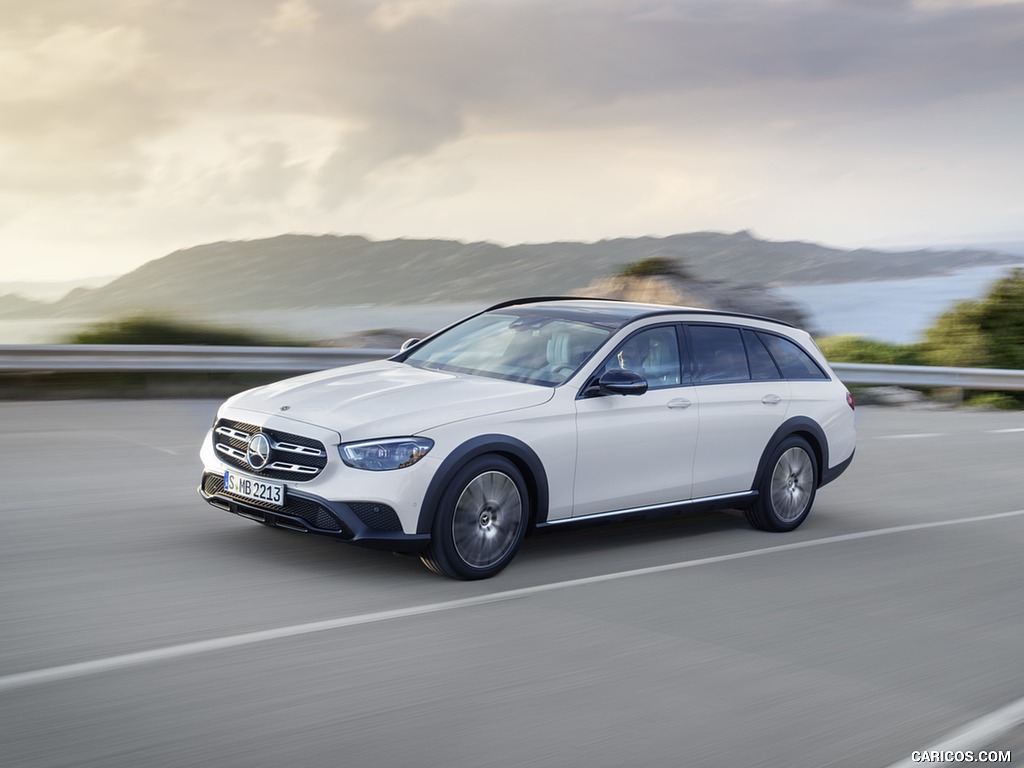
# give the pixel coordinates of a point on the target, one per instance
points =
(681, 291)
(311, 271)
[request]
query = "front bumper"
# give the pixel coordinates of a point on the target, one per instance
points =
(367, 524)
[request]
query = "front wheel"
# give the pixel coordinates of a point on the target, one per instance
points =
(480, 520)
(787, 489)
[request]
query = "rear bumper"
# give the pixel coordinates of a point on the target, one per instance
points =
(362, 523)
(831, 473)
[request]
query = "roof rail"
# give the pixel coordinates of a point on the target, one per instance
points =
(538, 299)
(669, 309)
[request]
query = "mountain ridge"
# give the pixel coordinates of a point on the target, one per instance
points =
(324, 270)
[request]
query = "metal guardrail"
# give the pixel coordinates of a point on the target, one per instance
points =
(158, 357)
(998, 379)
(155, 358)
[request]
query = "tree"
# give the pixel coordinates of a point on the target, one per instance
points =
(655, 266)
(982, 334)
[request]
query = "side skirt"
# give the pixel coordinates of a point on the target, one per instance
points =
(706, 504)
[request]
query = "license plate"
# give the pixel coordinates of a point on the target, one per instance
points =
(253, 488)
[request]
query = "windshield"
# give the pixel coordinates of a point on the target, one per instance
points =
(528, 347)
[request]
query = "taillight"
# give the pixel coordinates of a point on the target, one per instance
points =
(849, 401)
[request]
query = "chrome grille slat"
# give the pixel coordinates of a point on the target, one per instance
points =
(240, 455)
(235, 433)
(231, 440)
(303, 449)
(286, 467)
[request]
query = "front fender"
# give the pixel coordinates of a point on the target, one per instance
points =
(514, 449)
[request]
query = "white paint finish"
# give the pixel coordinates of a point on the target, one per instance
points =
(382, 399)
(634, 450)
(735, 427)
(599, 454)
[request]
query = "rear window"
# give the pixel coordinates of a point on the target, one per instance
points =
(792, 360)
(719, 354)
(762, 367)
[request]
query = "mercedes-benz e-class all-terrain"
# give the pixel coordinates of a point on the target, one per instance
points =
(536, 413)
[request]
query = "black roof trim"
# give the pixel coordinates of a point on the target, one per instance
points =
(541, 299)
(669, 310)
(725, 312)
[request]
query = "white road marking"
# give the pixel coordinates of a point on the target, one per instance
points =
(141, 443)
(978, 734)
(85, 668)
(1005, 431)
(911, 436)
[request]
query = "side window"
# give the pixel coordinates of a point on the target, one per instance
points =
(653, 353)
(793, 361)
(719, 354)
(762, 367)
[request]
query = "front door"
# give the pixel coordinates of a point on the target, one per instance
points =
(638, 450)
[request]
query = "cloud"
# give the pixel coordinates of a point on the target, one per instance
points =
(402, 78)
(291, 17)
(270, 109)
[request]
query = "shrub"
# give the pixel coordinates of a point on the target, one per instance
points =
(1001, 401)
(150, 329)
(653, 266)
(982, 334)
(858, 349)
(988, 333)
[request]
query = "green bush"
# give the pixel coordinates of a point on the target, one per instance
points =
(653, 266)
(982, 334)
(858, 349)
(988, 333)
(151, 329)
(146, 329)
(1001, 401)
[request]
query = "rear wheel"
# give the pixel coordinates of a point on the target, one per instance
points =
(787, 489)
(480, 520)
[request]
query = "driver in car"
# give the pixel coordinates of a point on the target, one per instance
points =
(633, 354)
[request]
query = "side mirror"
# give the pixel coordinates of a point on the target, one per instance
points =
(622, 382)
(409, 343)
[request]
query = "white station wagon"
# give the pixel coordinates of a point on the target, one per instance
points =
(536, 413)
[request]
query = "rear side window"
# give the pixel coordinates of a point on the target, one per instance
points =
(762, 367)
(793, 361)
(719, 354)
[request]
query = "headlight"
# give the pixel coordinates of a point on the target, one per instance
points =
(378, 455)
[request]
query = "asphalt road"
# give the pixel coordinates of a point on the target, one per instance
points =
(134, 603)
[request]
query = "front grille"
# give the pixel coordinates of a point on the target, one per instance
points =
(292, 457)
(313, 513)
(378, 516)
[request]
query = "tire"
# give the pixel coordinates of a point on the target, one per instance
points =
(786, 492)
(480, 520)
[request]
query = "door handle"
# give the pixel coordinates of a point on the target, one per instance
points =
(679, 402)
(771, 399)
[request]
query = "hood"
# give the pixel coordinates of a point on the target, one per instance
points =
(387, 399)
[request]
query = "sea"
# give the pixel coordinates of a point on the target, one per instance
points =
(897, 311)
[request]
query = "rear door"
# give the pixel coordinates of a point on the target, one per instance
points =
(743, 400)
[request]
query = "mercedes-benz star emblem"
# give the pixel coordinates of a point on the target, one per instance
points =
(258, 452)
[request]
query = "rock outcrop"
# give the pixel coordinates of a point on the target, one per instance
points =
(705, 294)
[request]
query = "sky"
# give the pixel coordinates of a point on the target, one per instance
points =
(132, 128)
